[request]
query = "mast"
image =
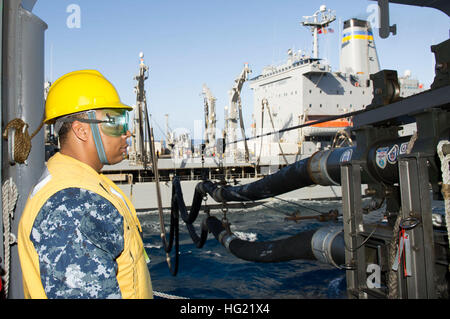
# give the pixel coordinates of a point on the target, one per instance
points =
(141, 148)
(210, 119)
(320, 20)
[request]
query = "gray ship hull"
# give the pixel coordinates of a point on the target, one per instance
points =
(141, 188)
(143, 195)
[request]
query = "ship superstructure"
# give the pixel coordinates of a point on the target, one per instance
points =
(302, 90)
(305, 89)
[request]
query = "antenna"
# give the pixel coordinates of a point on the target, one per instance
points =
(318, 21)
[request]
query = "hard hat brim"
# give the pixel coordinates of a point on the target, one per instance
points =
(81, 91)
(51, 120)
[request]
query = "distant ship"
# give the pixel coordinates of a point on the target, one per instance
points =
(302, 90)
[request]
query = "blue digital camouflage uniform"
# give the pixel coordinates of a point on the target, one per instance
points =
(78, 235)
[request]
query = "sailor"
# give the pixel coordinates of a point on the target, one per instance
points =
(79, 236)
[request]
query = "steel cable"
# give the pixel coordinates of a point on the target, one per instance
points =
(327, 119)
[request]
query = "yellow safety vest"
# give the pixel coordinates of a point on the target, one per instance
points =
(66, 172)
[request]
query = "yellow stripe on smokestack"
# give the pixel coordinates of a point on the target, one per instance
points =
(358, 52)
(357, 36)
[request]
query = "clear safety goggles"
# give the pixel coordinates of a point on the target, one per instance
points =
(112, 122)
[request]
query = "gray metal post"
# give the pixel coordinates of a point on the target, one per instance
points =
(22, 97)
(416, 208)
(353, 225)
(2, 253)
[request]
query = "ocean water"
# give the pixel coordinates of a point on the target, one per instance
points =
(212, 272)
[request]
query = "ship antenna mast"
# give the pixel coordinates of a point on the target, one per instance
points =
(142, 152)
(210, 119)
(318, 21)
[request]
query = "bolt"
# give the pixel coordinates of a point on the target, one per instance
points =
(441, 66)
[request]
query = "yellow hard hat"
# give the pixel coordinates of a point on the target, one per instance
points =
(81, 91)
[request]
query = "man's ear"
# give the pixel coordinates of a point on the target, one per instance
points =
(81, 130)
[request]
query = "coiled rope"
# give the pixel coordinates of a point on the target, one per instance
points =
(20, 150)
(392, 282)
(9, 200)
(167, 296)
(22, 139)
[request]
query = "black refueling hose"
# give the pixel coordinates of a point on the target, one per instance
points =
(291, 248)
(322, 168)
(294, 247)
(289, 178)
(178, 205)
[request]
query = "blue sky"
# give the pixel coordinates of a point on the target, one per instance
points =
(188, 43)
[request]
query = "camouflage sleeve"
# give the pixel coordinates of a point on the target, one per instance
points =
(78, 235)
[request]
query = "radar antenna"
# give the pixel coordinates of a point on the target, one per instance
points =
(320, 20)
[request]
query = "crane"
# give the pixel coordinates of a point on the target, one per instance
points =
(234, 107)
(210, 119)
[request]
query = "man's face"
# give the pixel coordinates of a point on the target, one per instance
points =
(114, 139)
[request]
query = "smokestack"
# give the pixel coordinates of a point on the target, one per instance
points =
(358, 51)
